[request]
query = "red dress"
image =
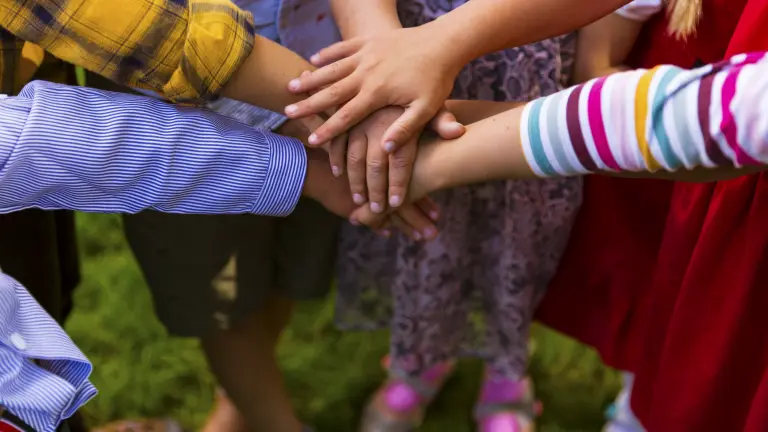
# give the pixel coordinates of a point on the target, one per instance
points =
(670, 280)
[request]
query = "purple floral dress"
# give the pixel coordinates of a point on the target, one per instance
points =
(474, 289)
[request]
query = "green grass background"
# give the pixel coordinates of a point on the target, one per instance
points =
(142, 372)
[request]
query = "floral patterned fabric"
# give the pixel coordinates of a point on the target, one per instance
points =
(474, 289)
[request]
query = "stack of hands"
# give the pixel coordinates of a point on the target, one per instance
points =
(371, 134)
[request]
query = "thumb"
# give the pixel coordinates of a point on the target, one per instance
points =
(405, 128)
(446, 126)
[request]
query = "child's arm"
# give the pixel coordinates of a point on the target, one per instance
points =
(365, 18)
(603, 46)
(415, 68)
(568, 134)
(263, 78)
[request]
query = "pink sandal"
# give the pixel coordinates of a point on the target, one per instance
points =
(399, 404)
(507, 406)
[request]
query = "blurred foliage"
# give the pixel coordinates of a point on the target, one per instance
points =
(142, 372)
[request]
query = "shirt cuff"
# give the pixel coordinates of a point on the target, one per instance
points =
(219, 37)
(285, 176)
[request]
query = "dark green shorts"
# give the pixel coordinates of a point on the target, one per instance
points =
(207, 271)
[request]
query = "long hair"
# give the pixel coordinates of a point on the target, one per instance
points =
(684, 16)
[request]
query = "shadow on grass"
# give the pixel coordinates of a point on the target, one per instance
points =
(142, 372)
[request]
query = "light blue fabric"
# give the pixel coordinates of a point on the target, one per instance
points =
(43, 375)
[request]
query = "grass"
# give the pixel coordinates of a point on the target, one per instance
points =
(142, 372)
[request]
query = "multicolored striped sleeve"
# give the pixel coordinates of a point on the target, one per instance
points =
(665, 118)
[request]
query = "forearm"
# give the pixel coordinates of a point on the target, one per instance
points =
(480, 27)
(565, 134)
(365, 17)
(263, 78)
(603, 46)
(471, 111)
(82, 149)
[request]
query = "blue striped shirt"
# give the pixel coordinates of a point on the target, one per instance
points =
(77, 148)
(43, 376)
(82, 149)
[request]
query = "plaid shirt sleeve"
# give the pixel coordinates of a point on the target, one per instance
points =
(185, 49)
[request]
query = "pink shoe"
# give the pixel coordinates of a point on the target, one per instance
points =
(506, 406)
(399, 404)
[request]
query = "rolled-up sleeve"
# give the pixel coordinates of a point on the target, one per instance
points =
(77, 148)
(185, 49)
(43, 375)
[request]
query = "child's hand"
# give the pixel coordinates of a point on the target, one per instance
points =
(375, 176)
(409, 68)
(428, 176)
(415, 220)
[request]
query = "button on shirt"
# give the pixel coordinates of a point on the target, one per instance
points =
(43, 376)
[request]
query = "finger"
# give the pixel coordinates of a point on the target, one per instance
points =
(429, 207)
(446, 126)
(407, 126)
(322, 77)
(399, 224)
(347, 116)
(400, 170)
(421, 225)
(336, 52)
(337, 154)
(364, 216)
(376, 170)
(356, 158)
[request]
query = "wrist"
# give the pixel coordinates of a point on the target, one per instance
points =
(456, 46)
(364, 20)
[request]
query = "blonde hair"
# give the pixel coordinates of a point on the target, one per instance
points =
(684, 16)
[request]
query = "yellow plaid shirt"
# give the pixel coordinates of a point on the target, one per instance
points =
(185, 49)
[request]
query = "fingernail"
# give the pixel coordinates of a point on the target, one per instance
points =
(394, 200)
(354, 222)
(416, 236)
(429, 233)
(315, 58)
(358, 199)
(386, 233)
(336, 171)
(376, 207)
(313, 139)
(389, 146)
(291, 109)
(294, 85)
(434, 215)
(457, 125)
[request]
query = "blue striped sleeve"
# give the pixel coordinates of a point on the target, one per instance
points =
(52, 389)
(76, 148)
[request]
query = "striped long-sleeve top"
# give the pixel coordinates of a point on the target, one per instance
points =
(82, 149)
(664, 118)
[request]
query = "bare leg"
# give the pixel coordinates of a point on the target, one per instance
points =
(243, 361)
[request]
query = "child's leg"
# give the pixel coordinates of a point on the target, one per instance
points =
(621, 417)
(211, 277)
(526, 230)
(225, 416)
(243, 360)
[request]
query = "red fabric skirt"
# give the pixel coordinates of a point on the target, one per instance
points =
(677, 294)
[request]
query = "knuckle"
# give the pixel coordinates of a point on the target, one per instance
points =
(401, 162)
(401, 129)
(355, 160)
(376, 166)
(334, 91)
